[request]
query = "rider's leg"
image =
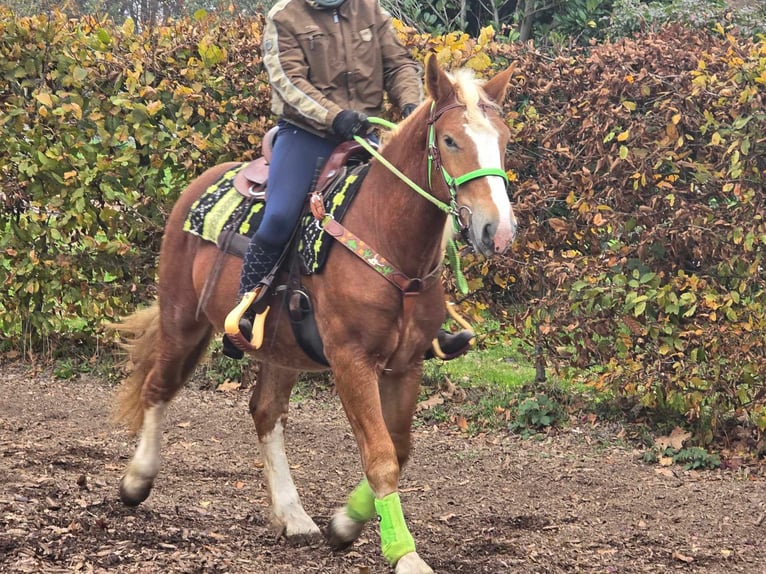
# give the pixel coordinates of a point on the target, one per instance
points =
(294, 161)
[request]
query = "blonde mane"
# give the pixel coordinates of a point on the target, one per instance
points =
(469, 92)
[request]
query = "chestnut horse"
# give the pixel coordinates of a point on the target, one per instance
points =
(453, 145)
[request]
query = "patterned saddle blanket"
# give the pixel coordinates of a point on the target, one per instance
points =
(221, 208)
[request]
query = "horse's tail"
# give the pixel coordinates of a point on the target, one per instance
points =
(139, 334)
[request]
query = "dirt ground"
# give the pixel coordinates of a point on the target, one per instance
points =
(578, 501)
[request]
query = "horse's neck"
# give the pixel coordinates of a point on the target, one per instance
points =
(408, 228)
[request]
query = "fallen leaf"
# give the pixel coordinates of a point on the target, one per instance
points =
(675, 440)
(228, 386)
(430, 402)
(682, 557)
(185, 424)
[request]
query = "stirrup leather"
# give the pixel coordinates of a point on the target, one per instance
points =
(231, 324)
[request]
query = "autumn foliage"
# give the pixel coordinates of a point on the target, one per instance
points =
(638, 170)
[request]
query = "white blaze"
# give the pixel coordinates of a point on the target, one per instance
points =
(488, 153)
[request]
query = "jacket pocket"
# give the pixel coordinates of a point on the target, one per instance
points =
(315, 45)
(366, 49)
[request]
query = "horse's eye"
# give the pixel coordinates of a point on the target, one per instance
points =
(450, 143)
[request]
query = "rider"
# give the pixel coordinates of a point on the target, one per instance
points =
(329, 63)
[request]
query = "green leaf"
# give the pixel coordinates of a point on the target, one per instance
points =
(104, 36)
(623, 152)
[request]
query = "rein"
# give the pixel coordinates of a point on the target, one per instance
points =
(410, 286)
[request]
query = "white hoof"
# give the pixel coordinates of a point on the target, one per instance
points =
(412, 564)
(343, 530)
(299, 528)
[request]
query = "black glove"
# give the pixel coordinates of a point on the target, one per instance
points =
(350, 123)
(407, 110)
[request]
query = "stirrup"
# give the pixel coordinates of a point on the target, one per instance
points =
(231, 324)
(452, 345)
(448, 345)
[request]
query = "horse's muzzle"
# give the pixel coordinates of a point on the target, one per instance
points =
(492, 237)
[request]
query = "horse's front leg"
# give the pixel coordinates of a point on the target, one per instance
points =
(380, 413)
(269, 404)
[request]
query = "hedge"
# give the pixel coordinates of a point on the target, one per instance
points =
(638, 171)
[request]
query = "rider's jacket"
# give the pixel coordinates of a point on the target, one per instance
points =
(321, 61)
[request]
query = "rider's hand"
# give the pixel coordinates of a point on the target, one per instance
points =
(350, 123)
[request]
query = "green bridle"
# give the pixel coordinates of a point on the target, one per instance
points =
(434, 161)
(453, 183)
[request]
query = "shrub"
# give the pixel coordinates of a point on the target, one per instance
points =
(102, 127)
(640, 168)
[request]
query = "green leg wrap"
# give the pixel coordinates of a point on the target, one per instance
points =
(395, 538)
(360, 505)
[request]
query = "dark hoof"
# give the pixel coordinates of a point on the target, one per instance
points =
(342, 531)
(134, 498)
(305, 539)
(336, 542)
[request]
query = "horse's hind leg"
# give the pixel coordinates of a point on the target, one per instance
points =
(269, 404)
(174, 360)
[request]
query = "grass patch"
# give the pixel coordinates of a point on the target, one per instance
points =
(494, 387)
(501, 366)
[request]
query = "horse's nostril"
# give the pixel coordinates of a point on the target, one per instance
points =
(488, 236)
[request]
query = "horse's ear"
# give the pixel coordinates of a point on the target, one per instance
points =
(437, 82)
(498, 85)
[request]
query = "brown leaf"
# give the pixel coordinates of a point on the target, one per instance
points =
(683, 557)
(430, 402)
(675, 440)
(558, 225)
(228, 386)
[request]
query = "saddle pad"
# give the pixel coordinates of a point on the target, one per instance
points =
(315, 243)
(220, 207)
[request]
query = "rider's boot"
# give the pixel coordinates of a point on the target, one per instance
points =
(448, 345)
(257, 264)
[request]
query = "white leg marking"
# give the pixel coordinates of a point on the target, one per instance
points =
(145, 465)
(285, 502)
(412, 564)
(344, 527)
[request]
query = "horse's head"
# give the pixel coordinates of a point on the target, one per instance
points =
(467, 145)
